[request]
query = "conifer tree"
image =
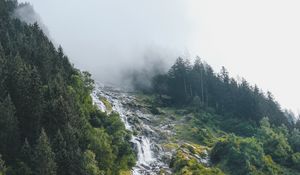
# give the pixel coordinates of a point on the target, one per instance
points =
(60, 150)
(25, 164)
(44, 159)
(26, 153)
(8, 129)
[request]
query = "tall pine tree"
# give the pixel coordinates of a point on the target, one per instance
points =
(60, 150)
(8, 129)
(44, 159)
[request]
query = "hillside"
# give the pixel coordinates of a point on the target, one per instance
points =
(55, 120)
(245, 129)
(48, 123)
(189, 139)
(230, 128)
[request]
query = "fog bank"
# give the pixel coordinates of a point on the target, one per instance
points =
(26, 13)
(112, 38)
(258, 40)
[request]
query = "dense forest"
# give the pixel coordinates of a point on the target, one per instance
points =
(246, 128)
(48, 123)
(197, 84)
(50, 126)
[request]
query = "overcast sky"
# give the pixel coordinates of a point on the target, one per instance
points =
(257, 39)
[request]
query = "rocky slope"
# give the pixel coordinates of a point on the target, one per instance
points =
(154, 135)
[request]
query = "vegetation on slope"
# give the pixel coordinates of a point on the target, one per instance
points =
(245, 129)
(48, 124)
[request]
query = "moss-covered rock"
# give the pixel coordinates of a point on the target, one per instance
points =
(106, 103)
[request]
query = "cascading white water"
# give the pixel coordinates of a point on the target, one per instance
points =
(147, 163)
(145, 157)
(148, 137)
(98, 102)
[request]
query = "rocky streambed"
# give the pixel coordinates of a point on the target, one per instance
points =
(150, 133)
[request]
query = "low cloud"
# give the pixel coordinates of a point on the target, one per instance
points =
(26, 13)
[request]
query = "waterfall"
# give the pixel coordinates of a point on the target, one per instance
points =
(149, 132)
(98, 102)
(147, 162)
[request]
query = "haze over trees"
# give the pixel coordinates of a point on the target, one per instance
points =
(48, 124)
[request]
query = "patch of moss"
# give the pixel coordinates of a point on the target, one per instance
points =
(195, 148)
(125, 172)
(106, 103)
(184, 164)
(170, 146)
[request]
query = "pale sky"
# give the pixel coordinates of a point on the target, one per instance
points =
(258, 39)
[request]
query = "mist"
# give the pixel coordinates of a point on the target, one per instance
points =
(113, 38)
(26, 13)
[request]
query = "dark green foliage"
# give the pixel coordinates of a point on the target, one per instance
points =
(243, 156)
(25, 88)
(241, 127)
(39, 88)
(60, 150)
(294, 140)
(178, 80)
(160, 84)
(90, 164)
(26, 155)
(221, 107)
(296, 160)
(2, 166)
(298, 124)
(44, 161)
(198, 85)
(274, 142)
(116, 148)
(20, 169)
(9, 131)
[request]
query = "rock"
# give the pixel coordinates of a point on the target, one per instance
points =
(138, 119)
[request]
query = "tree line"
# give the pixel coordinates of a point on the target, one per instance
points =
(247, 129)
(197, 84)
(48, 123)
